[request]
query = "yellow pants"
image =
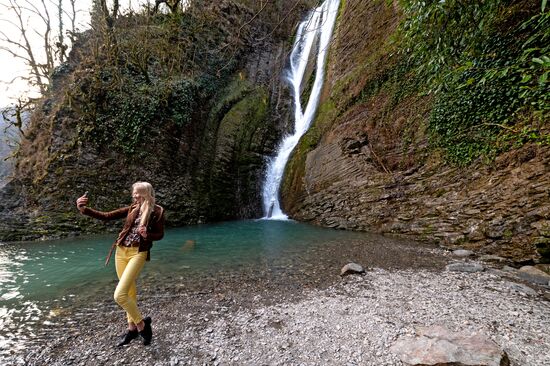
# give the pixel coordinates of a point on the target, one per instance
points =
(128, 263)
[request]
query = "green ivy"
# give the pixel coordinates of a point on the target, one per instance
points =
(128, 118)
(487, 65)
(181, 102)
(434, 34)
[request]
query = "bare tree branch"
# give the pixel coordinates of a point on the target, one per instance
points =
(53, 48)
(6, 49)
(14, 117)
(172, 5)
(27, 46)
(281, 21)
(12, 80)
(6, 39)
(73, 20)
(254, 17)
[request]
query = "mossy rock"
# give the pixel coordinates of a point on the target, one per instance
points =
(238, 158)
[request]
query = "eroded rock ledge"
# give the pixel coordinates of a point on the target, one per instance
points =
(503, 210)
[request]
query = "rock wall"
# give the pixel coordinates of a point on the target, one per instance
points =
(366, 162)
(208, 169)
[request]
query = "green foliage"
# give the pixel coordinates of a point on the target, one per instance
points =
(434, 34)
(487, 64)
(137, 111)
(161, 70)
(132, 114)
(182, 99)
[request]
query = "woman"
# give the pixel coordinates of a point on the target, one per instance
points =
(144, 224)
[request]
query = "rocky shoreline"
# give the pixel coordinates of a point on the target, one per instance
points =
(318, 318)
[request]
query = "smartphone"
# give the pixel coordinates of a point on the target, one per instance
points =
(85, 194)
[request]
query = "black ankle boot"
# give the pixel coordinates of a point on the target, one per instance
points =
(147, 332)
(127, 338)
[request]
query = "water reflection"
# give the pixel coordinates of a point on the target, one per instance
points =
(189, 246)
(16, 316)
(32, 277)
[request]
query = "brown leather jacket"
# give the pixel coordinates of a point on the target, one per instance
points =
(155, 227)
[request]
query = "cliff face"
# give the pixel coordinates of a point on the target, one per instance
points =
(368, 162)
(195, 110)
(438, 139)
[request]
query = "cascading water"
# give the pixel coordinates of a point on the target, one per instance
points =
(314, 33)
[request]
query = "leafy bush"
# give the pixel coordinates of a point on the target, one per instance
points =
(434, 34)
(487, 64)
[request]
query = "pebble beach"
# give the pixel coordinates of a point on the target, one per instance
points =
(311, 315)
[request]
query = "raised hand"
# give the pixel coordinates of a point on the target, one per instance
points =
(81, 202)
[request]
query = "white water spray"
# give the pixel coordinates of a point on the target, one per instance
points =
(314, 33)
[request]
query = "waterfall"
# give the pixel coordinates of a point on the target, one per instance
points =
(313, 34)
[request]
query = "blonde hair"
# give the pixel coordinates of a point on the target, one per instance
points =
(146, 191)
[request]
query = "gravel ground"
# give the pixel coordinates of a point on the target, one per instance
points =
(355, 322)
(253, 319)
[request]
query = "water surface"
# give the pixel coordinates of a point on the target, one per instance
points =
(40, 282)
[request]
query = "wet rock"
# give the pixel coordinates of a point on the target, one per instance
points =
(351, 268)
(518, 287)
(463, 253)
(440, 346)
(492, 258)
(465, 267)
(509, 269)
(534, 275)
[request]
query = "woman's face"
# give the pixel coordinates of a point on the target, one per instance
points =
(138, 198)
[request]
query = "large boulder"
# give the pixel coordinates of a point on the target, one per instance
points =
(463, 253)
(351, 268)
(534, 275)
(465, 267)
(439, 346)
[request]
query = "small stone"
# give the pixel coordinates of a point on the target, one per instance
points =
(465, 267)
(463, 253)
(351, 268)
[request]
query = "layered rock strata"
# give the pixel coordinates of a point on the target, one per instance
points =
(366, 163)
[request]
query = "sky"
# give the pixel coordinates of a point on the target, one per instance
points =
(13, 68)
